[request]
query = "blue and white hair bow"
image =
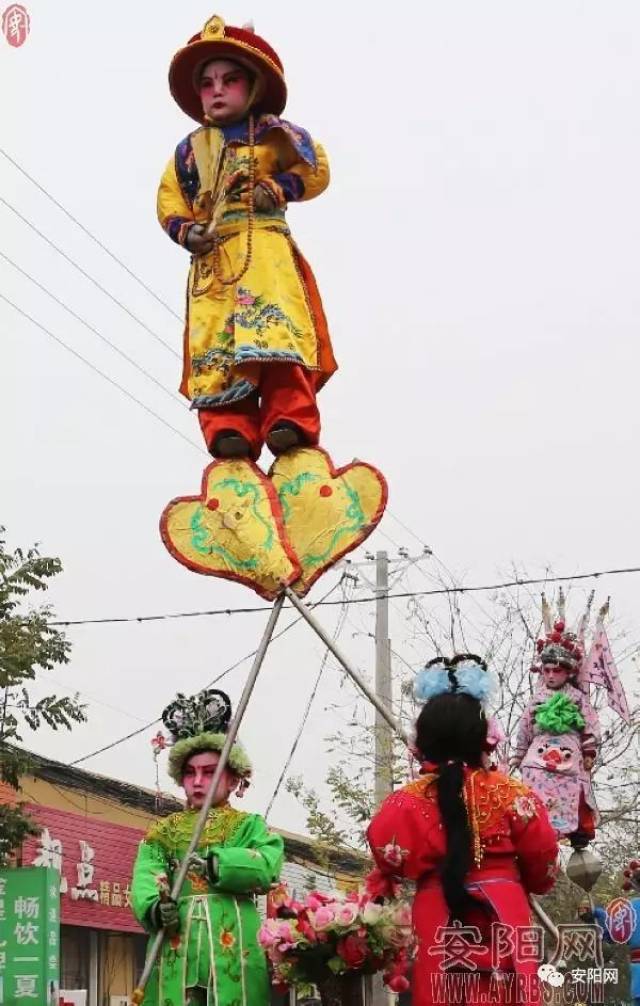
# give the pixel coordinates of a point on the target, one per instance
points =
(468, 675)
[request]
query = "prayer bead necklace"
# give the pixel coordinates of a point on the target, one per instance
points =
(251, 218)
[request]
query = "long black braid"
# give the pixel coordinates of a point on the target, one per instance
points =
(451, 731)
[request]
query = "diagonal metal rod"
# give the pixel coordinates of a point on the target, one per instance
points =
(348, 666)
(389, 717)
(547, 923)
(232, 733)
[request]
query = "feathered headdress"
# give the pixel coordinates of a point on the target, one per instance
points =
(559, 646)
(465, 673)
(200, 724)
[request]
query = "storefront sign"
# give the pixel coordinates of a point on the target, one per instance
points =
(29, 937)
(93, 861)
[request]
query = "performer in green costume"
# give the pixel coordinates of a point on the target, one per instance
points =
(210, 954)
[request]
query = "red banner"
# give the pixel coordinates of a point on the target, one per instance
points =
(95, 861)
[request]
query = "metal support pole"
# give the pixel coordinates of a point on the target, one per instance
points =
(386, 714)
(380, 699)
(547, 924)
(232, 733)
(348, 666)
(383, 735)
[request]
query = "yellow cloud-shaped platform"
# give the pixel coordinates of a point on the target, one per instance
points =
(327, 512)
(233, 529)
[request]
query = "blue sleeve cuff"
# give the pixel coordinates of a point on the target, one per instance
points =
(291, 184)
(177, 228)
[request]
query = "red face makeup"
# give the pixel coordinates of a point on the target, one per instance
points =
(197, 776)
(554, 677)
(224, 91)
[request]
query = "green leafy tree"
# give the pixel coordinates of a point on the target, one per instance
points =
(29, 644)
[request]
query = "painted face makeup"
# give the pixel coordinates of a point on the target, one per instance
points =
(197, 776)
(224, 91)
(554, 677)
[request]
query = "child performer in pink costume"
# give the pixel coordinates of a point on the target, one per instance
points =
(559, 735)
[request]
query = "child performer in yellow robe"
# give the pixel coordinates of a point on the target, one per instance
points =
(256, 342)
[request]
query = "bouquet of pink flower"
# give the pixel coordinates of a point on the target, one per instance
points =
(324, 936)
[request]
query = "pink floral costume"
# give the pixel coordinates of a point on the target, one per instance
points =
(552, 762)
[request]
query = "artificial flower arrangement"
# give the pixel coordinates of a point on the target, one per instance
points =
(325, 936)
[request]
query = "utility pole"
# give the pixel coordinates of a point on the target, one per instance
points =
(383, 732)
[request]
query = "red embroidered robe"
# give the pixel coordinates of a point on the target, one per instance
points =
(515, 852)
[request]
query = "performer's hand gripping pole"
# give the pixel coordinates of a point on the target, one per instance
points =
(234, 726)
(349, 668)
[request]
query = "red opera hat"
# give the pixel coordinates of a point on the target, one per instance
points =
(220, 41)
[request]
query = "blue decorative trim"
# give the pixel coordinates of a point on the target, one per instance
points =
(249, 354)
(238, 132)
(241, 389)
(177, 228)
(291, 184)
(233, 394)
(206, 359)
(298, 137)
(187, 171)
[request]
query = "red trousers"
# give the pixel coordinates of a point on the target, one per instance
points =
(586, 818)
(286, 393)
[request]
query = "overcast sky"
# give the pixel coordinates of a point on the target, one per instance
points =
(477, 252)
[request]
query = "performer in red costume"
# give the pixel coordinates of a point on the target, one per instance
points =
(475, 842)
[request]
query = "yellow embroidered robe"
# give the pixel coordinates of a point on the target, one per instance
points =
(273, 313)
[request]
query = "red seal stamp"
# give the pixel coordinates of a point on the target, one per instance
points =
(16, 25)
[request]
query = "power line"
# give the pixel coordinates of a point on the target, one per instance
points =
(103, 338)
(232, 611)
(88, 276)
(153, 723)
(101, 373)
(408, 529)
(473, 588)
(121, 740)
(428, 553)
(142, 370)
(153, 294)
(169, 426)
(78, 692)
(305, 716)
(130, 272)
(89, 234)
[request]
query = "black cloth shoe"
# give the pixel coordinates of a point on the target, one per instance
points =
(230, 444)
(284, 437)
